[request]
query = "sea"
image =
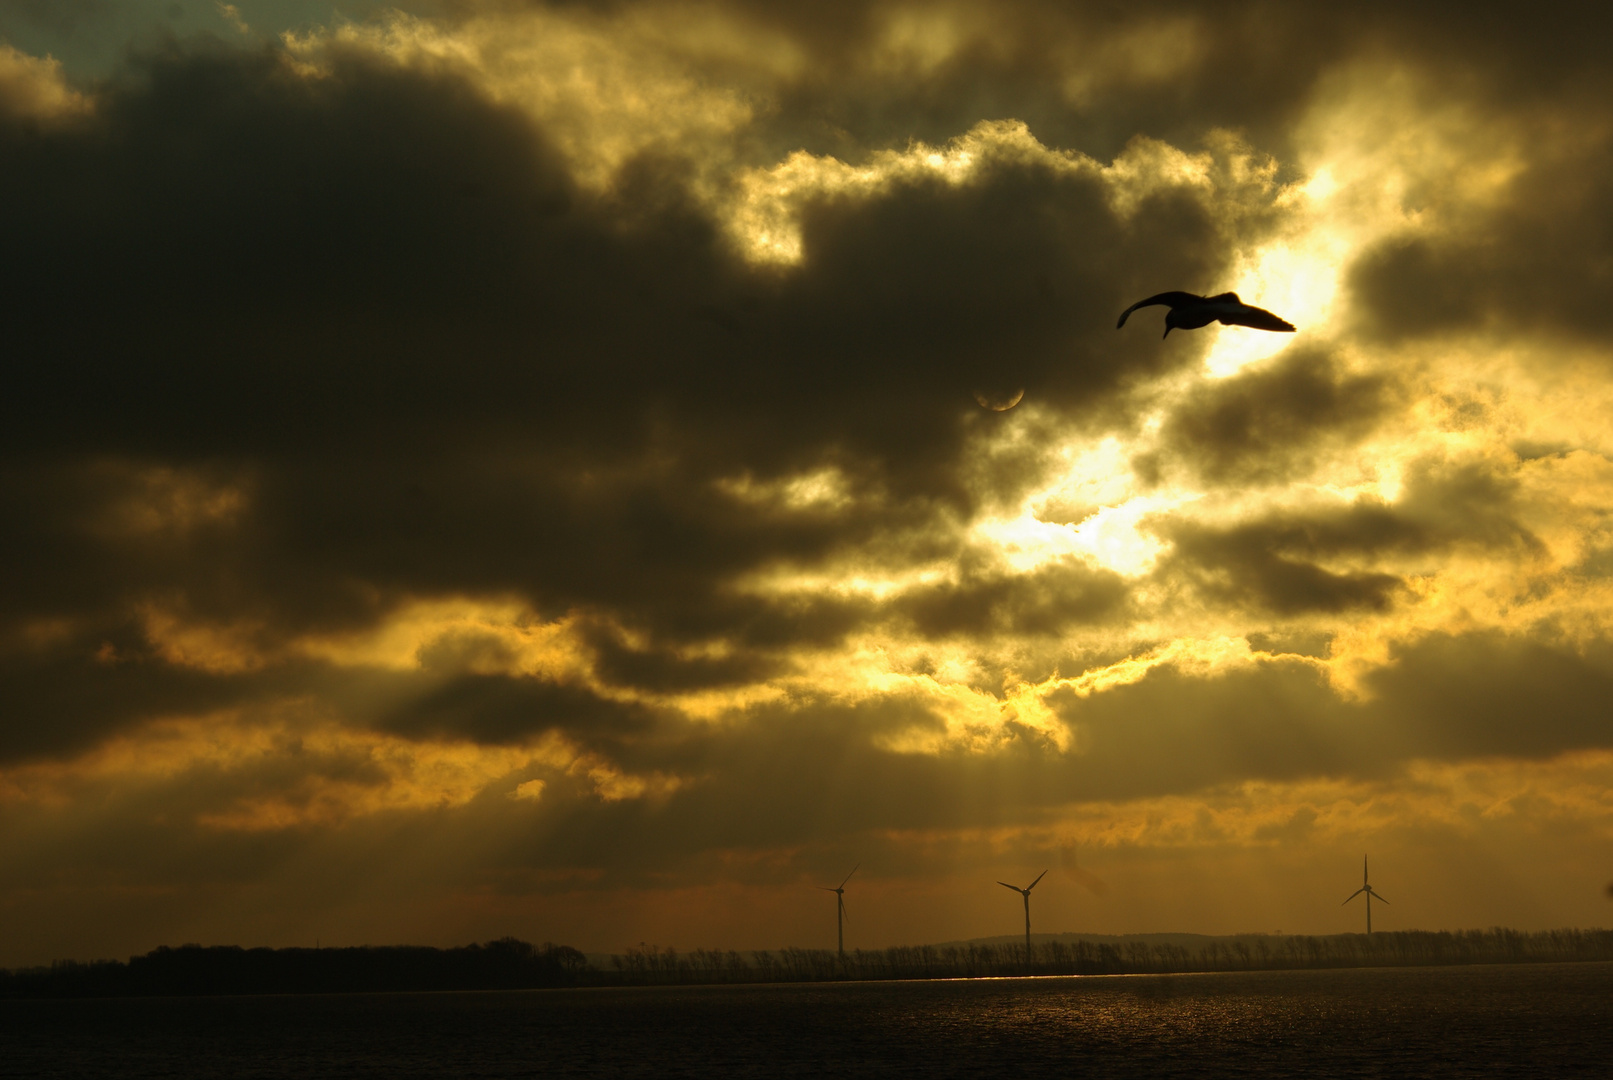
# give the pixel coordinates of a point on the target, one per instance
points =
(1525, 1020)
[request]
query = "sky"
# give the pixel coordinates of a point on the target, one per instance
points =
(599, 472)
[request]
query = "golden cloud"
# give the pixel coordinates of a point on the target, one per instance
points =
(1571, 792)
(34, 87)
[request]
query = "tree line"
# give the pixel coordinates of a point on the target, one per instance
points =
(648, 964)
(506, 964)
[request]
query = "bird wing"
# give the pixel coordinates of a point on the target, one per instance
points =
(1170, 299)
(1258, 318)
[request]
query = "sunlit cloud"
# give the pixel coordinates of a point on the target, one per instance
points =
(296, 771)
(232, 15)
(765, 215)
(486, 636)
(605, 88)
(34, 87)
(1564, 793)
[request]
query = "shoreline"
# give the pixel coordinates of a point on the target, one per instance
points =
(510, 964)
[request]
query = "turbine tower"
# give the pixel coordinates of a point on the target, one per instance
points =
(840, 910)
(1026, 893)
(1366, 887)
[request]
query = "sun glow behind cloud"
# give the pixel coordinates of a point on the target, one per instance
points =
(1094, 507)
(591, 81)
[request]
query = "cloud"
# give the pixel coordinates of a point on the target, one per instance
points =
(498, 709)
(1249, 566)
(32, 89)
(457, 302)
(545, 437)
(1041, 603)
(1266, 423)
(1531, 260)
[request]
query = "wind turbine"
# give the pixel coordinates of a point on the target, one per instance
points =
(840, 909)
(1366, 887)
(1026, 893)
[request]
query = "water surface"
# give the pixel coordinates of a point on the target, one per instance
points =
(1538, 1020)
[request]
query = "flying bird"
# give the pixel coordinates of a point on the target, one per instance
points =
(1189, 311)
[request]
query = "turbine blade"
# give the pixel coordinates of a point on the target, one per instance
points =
(848, 876)
(1378, 896)
(1005, 885)
(843, 914)
(1039, 877)
(1353, 895)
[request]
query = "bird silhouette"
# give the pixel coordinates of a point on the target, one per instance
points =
(1189, 311)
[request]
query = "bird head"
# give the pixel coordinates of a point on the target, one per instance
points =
(1170, 323)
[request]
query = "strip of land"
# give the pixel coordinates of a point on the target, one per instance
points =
(510, 964)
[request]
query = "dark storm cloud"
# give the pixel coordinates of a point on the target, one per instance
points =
(1448, 697)
(63, 704)
(510, 709)
(1482, 694)
(1537, 263)
(1264, 424)
(433, 237)
(1277, 562)
(1531, 256)
(1092, 76)
(1447, 503)
(660, 669)
(64, 696)
(445, 368)
(375, 305)
(1045, 602)
(1248, 566)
